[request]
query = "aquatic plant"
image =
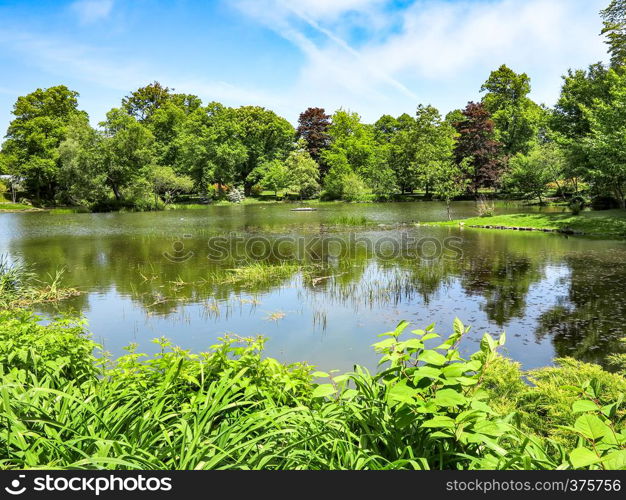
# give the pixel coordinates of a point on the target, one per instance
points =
(349, 220)
(20, 287)
(256, 273)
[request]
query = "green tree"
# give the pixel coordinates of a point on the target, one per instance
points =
(81, 179)
(570, 124)
(606, 142)
(303, 172)
(210, 146)
(275, 176)
(450, 181)
(614, 18)
(265, 136)
(431, 143)
(517, 118)
(144, 102)
(126, 151)
(395, 137)
(530, 173)
(34, 135)
(354, 149)
(166, 184)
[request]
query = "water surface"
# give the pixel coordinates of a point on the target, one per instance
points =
(147, 275)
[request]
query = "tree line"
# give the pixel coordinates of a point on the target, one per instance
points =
(159, 144)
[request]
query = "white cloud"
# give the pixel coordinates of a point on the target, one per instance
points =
(426, 47)
(357, 54)
(90, 11)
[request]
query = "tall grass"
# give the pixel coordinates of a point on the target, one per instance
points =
(256, 273)
(61, 406)
(349, 220)
(19, 286)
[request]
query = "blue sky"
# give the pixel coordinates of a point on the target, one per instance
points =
(370, 56)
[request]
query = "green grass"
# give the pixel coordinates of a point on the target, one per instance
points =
(257, 273)
(65, 406)
(609, 223)
(15, 207)
(20, 288)
(349, 220)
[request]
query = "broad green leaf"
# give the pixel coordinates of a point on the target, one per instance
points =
(324, 390)
(583, 406)
(479, 405)
(487, 344)
(583, 457)
(487, 427)
(349, 394)
(454, 370)
(439, 422)
(412, 344)
(449, 397)
(384, 344)
(401, 393)
(320, 375)
(591, 427)
(615, 460)
(432, 358)
(459, 327)
(426, 371)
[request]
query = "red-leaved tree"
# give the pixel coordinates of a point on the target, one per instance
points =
(476, 143)
(313, 127)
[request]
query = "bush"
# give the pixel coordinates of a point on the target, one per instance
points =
(576, 206)
(235, 195)
(485, 208)
(68, 406)
(354, 189)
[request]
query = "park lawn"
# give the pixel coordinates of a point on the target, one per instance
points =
(15, 207)
(606, 223)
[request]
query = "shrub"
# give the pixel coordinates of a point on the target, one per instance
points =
(354, 189)
(484, 207)
(67, 406)
(235, 195)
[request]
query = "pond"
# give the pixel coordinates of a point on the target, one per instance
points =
(322, 292)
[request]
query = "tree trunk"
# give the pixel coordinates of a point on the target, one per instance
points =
(619, 192)
(116, 192)
(558, 186)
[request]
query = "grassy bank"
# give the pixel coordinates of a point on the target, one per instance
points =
(609, 223)
(64, 405)
(7, 206)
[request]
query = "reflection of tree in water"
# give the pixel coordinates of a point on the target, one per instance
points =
(503, 281)
(499, 268)
(136, 267)
(588, 323)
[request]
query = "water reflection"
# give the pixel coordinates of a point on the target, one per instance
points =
(553, 295)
